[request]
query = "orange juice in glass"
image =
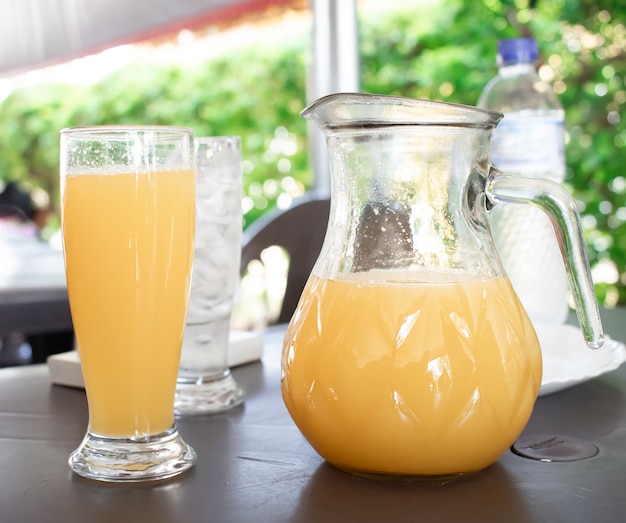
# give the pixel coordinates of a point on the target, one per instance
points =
(128, 215)
(385, 375)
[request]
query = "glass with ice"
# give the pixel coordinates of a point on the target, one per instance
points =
(205, 384)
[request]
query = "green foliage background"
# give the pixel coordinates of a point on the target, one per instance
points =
(437, 49)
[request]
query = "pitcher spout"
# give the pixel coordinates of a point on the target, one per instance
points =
(342, 111)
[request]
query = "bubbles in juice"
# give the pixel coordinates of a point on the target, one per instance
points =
(128, 256)
(392, 376)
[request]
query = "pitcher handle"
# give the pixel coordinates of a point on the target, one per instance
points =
(560, 207)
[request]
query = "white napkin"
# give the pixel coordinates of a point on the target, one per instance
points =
(243, 347)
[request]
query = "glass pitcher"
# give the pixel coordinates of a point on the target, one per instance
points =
(409, 353)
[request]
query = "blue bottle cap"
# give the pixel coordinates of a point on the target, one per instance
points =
(517, 51)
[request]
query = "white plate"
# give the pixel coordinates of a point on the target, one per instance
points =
(568, 361)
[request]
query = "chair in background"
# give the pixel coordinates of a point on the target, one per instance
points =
(11, 211)
(300, 231)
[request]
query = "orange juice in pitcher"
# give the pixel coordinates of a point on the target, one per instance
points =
(383, 376)
(409, 354)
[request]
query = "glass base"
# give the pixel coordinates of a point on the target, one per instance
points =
(123, 460)
(407, 477)
(209, 397)
(413, 478)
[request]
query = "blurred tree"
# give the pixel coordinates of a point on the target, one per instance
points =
(448, 53)
(437, 49)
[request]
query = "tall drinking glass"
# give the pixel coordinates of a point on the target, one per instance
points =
(128, 218)
(205, 384)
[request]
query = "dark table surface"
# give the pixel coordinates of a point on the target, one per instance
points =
(255, 466)
(41, 315)
(33, 297)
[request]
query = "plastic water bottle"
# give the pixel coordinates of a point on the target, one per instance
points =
(529, 141)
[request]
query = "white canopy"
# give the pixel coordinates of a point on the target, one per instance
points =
(36, 33)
